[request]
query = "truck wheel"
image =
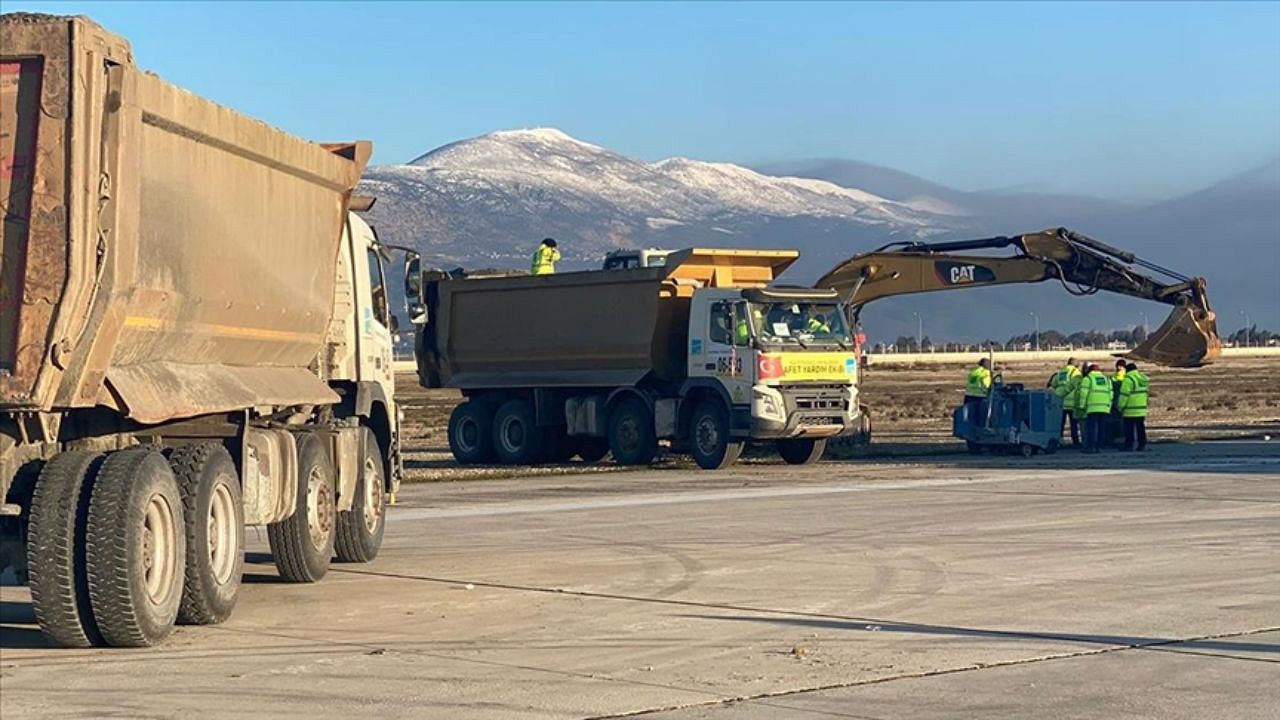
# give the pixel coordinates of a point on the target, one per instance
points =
(592, 449)
(211, 502)
(802, 451)
(471, 434)
(302, 544)
(56, 550)
(360, 529)
(632, 439)
(136, 548)
(711, 445)
(516, 438)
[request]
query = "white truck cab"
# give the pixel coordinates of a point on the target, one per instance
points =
(632, 259)
(785, 359)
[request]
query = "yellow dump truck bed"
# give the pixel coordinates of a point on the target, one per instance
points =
(161, 254)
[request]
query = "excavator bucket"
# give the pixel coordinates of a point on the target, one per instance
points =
(1188, 338)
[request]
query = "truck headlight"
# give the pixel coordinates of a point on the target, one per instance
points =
(767, 403)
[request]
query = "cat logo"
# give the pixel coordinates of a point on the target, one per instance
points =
(962, 274)
(952, 273)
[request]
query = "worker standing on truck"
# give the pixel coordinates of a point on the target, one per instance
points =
(976, 386)
(545, 258)
(1098, 398)
(1133, 407)
(1063, 383)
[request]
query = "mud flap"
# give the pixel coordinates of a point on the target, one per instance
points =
(1188, 338)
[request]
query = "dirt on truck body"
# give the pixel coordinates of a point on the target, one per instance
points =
(701, 352)
(192, 339)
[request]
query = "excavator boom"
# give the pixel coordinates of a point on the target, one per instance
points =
(1188, 338)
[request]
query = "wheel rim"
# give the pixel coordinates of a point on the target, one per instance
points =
(468, 434)
(708, 435)
(224, 538)
(628, 434)
(373, 508)
(159, 549)
(319, 509)
(513, 434)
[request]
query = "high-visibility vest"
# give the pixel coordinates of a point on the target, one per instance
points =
(1133, 394)
(544, 260)
(977, 383)
(1118, 375)
(1079, 394)
(817, 326)
(1060, 383)
(1099, 394)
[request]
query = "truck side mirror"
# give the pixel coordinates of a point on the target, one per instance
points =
(417, 313)
(412, 278)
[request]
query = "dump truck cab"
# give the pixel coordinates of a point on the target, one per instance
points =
(632, 259)
(784, 356)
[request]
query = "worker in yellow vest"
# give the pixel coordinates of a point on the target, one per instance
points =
(976, 387)
(1063, 384)
(1117, 377)
(1096, 387)
(1078, 397)
(1133, 407)
(545, 258)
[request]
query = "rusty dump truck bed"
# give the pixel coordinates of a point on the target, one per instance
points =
(162, 254)
(600, 328)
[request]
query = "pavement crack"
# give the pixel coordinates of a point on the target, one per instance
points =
(930, 673)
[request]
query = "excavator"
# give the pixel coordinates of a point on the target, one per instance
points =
(1084, 266)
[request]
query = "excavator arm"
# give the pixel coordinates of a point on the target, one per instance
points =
(1084, 266)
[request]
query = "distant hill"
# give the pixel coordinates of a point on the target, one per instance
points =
(487, 201)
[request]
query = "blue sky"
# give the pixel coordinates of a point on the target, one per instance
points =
(1138, 101)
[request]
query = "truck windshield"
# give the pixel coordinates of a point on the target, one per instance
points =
(783, 323)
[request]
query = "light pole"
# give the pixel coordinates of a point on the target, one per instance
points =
(919, 332)
(1037, 335)
(1246, 327)
(1144, 324)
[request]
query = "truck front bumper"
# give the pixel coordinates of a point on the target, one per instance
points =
(818, 411)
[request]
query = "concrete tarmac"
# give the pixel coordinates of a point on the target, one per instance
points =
(1113, 586)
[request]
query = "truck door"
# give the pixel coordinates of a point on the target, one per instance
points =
(373, 316)
(727, 355)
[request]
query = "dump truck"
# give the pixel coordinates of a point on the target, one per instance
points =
(195, 337)
(703, 351)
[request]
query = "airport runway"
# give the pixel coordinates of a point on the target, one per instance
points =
(1118, 586)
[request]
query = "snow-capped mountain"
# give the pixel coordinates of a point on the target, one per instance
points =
(489, 200)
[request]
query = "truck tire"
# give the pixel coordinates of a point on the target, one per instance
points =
(516, 436)
(56, 550)
(211, 502)
(709, 441)
(471, 433)
(361, 528)
(136, 548)
(632, 439)
(802, 451)
(302, 544)
(592, 449)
